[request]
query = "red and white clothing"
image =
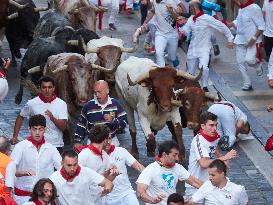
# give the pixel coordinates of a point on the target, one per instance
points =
(268, 33)
(4, 87)
(249, 20)
(58, 107)
(201, 27)
(162, 180)
(202, 146)
(78, 191)
(227, 116)
(231, 194)
(26, 157)
(122, 193)
(99, 162)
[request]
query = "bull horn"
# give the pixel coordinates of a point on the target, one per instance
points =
(30, 86)
(73, 42)
(34, 69)
(88, 50)
(73, 11)
(130, 50)
(189, 76)
(101, 68)
(176, 103)
(52, 38)
(19, 6)
(60, 69)
(140, 78)
(12, 16)
(41, 9)
(211, 96)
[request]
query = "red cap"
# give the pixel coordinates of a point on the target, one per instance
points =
(269, 144)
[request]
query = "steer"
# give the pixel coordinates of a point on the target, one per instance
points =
(150, 94)
(19, 31)
(79, 12)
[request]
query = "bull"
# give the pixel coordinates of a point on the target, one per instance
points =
(19, 31)
(79, 12)
(41, 48)
(150, 94)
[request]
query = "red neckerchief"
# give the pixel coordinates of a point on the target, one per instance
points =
(37, 202)
(169, 166)
(197, 15)
(95, 150)
(67, 177)
(42, 98)
(3, 73)
(112, 148)
(207, 137)
(249, 2)
(36, 144)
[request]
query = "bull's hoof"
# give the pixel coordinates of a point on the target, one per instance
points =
(150, 154)
(18, 99)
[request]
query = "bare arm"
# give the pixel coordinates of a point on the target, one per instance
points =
(194, 182)
(149, 17)
(18, 124)
(61, 124)
(107, 186)
(137, 166)
(141, 192)
(111, 173)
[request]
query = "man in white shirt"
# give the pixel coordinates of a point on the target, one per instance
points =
(123, 193)
(249, 26)
(230, 121)
(201, 26)
(268, 37)
(44, 193)
(75, 183)
(166, 36)
(53, 108)
(159, 179)
(34, 159)
(94, 157)
(219, 190)
(204, 149)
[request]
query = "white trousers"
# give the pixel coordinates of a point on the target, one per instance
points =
(130, 3)
(168, 42)
(4, 88)
(194, 63)
(129, 199)
(246, 56)
(270, 67)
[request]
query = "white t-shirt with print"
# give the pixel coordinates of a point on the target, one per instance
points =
(161, 180)
(200, 148)
(122, 186)
(231, 194)
(78, 191)
(97, 163)
(58, 107)
(268, 9)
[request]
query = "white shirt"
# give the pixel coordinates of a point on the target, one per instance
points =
(231, 194)
(249, 20)
(163, 19)
(78, 191)
(26, 157)
(161, 180)
(88, 159)
(268, 9)
(202, 30)
(58, 108)
(122, 186)
(10, 174)
(200, 148)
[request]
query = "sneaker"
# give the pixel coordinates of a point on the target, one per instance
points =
(259, 69)
(205, 89)
(224, 143)
(112, 27)
(216, 50)
(247, 88)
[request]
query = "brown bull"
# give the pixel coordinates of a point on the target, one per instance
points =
(79, 12)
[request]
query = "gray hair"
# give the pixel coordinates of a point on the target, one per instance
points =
(4, 144)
